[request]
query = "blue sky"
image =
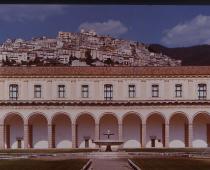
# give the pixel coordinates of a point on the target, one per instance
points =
(172, 26)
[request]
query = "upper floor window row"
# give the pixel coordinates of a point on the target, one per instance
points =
(108, 91)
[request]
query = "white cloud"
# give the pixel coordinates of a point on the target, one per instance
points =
(111, 27)
(193, 32)
(21, 13)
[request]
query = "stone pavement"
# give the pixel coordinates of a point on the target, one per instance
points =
(110, 164)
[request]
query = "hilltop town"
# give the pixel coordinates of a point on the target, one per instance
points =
(80, 49)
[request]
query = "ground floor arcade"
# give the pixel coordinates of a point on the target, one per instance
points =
(136, 130)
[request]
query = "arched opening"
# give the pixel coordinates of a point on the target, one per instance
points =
(178, 131)
(201, 130)
(155, 128)
(61, 131)
(14, 131)
(38, 131)
(132, 131)
(85, 131)
(108, 122)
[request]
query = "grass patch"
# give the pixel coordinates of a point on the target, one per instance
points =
(172, 164)
(46, 150)
(29, 164)
(187, 150)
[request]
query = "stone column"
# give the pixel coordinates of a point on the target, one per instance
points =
(49, 136)
(73, 128)
(143, 136)
(1, 136)
(97, 134)
(190, 133)
(120, 133)
(26, 136)
(166, 135)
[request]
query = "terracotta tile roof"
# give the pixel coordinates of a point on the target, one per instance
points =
(105, 71)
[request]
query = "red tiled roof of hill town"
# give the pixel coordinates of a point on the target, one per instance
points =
(104, 71)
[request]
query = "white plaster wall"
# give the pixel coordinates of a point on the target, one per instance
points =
(131, 132)
(177, 132)
(40, 135)
(16, 130)
(120, 87)
(154, 128)
(85, 127)
(200, 132)
(63, 132)
(108, 122)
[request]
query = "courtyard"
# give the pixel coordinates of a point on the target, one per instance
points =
(172, 163)
(28, 164)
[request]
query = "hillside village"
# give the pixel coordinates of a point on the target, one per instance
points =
(80, 49)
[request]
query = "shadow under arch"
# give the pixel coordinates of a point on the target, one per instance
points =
(85, 130)
(132, 113)
(38, 130)
(132, 130)
(201, 129)
(55, 115)
(109, 121)
(178, 130)
(156, 113)
(155, 128)
(61, 130)
(14, 130)
(185, 115)
(86, 113)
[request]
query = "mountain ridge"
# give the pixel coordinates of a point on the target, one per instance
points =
(198, 55)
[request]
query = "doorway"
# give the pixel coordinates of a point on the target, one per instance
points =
(152, 143)
(86, 138)
(19, 142)
(153, 138)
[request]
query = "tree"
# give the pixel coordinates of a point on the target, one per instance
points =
(109, 62)
(88, 57)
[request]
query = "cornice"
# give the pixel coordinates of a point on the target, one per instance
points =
(103, 102)
(108, 76)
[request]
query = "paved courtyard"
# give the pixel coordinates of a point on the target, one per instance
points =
(110, 164)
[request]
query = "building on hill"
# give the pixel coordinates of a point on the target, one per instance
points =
(71, 107)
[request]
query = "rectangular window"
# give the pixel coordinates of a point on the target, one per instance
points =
(178, 90)
(155, 90)
(202, 91)
(61, 91)
(37, 91)
(131, 91)
(13, 91)
(108, 91)
(85, 91)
